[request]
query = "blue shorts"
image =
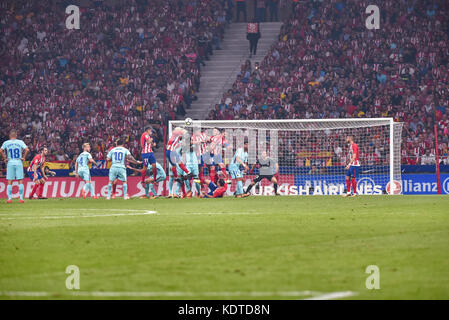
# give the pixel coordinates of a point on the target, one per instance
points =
(14, 171)
(214, 159)
(117, 173)
(31, 175)
(148, 158)
(202, 160)
(353, 171)
(84, 174)
(234, 170)
(212, 188)
(173, 157)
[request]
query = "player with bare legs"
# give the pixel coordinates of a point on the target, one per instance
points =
(352, 168)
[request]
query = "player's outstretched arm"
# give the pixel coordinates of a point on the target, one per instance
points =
(91, 160)
(135, 169)
(131, 159)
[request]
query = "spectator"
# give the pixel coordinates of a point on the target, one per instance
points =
(241, 8)
(273, 5)
(326, 64)
(261, 9)
(428, 158)
(61, 156)
(253, 35)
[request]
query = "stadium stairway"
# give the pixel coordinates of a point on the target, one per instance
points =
(221, 70)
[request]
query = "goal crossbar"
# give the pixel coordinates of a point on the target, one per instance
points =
(288, 124)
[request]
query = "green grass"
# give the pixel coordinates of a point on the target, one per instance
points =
(258, 244)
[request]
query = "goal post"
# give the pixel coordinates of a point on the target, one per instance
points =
(312, 153)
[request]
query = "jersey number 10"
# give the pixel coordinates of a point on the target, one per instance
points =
(118, 156)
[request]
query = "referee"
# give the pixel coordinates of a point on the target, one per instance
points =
(268, 169)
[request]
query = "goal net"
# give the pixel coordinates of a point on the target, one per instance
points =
(311, 154)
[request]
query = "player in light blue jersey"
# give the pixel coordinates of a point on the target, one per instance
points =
(179, 178)
(240, 159)
(191, 161)
(118, 155)
(149, 181)
(172, 179)
(12, 153)
(82, 171)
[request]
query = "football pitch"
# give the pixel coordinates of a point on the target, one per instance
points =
(305, 247)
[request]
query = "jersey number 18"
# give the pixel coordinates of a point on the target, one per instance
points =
(14, 153)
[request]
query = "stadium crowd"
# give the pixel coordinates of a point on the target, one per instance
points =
(327, 64)
(130, 64)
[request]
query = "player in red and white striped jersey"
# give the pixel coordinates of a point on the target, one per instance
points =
(37, 173)
(217, 143)
(172, 155)
(200, 140)
(147, 144)
(353, 167)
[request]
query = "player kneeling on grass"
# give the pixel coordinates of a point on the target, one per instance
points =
(268, 169)
(215, 190)
(149, 181)
(118, 155)
(82, 171)
(240, 159)
(14, 163)
(353, 167)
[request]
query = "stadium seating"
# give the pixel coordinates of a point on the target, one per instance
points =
(326, 64)
(131, 63)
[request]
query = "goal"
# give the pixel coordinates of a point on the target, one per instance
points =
(312, 153)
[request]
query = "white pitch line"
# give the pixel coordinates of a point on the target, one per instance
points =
(26, 294)
(333, 295)
(194, 294)
(120, 210)
(215, 213)
(317, 295)
(83, 216)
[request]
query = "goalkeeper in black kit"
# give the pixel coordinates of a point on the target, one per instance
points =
(268, 169)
